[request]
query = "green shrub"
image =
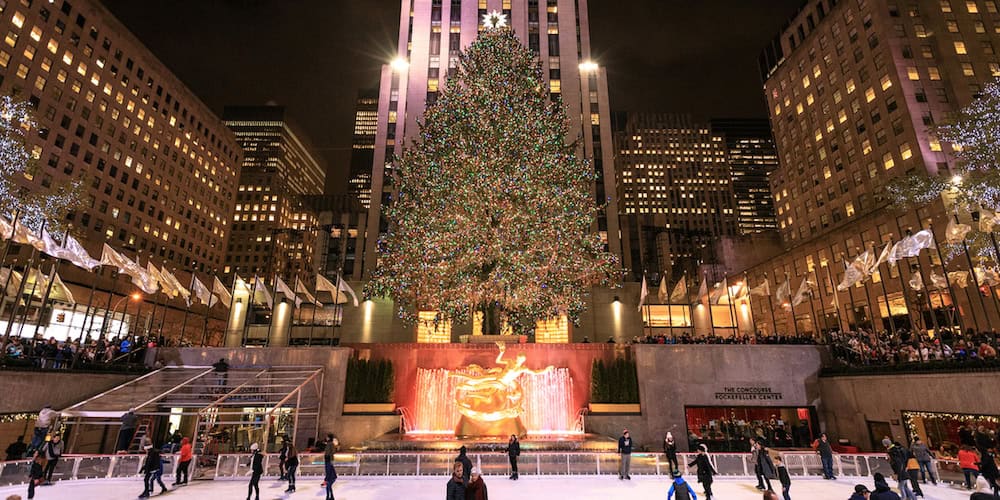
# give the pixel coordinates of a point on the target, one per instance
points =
(614, 382)
(369, 381)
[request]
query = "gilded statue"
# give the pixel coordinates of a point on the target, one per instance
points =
(490, 400)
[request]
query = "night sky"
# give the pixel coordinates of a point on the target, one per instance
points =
(685, 56)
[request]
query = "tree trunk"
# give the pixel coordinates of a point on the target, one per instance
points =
(491, 318)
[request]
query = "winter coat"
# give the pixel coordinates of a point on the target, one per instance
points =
(53, 450)
(257, 462)
(514, 449)
(883, 492)
(625, 445)
(857, 496)
(329, 471)
(186, 452)
(46, 418)
(921, 452)
(670, 450)
(476, 490)
(456, 490)
(967, 459)
(680, 490)
(988, 467)
(705, 469)
(897, 459)
(466, 467)
(129, 420)
(153, 462)
(824, 449)
(783, 476)
(292, 461)
(765, 464)
(37, 470)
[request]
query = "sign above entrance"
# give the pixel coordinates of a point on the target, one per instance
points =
(748, 393)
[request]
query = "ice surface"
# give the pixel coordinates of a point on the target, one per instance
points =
(428, 488)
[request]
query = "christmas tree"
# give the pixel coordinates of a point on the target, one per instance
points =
(17, 167)
(971, 190)
(494, 208)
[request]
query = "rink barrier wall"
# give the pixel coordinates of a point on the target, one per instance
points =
(237, 466)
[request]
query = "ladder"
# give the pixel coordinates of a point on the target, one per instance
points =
(141, 436)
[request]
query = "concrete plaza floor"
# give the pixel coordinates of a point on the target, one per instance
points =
(433, 488)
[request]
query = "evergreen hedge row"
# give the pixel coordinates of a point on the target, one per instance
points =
(369, 381)
(614, 382)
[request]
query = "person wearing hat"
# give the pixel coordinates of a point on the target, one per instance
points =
(860, 493)
(45, 420)
(153, 469)
(680, 489)
(882, 489)
(256, 470)
(705, 469)
(670, 450)
(625, 451)
(476, 489)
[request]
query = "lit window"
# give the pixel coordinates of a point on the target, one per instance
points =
(842, 116)
(850, 86)
(18, 19)
(29, 53)
(869, 94)
(53, 45)
(805, 82)
(849, 206)
(40, 83)
(11, 38)
(817, 71)
(994, 69)
(886, 82)
(4, 59)
(912, 73)
(887, 161)
(967, 69)
(68, 57)
(971, 6)
(799, 109)
(904, 151)
(595, 119)
(819, 135)
(960, 48)
(36, 33)
(22, 71)
(432, 84)
(935, 145)
(810, 99)
(933, 73)
(555, 86)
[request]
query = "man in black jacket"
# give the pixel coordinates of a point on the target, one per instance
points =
(513, 451)
(457, 482)
(625, 451)
(466, 465)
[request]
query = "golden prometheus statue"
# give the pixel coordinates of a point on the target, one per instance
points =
(490, 399)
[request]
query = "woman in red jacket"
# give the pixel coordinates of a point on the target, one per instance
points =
(183, 462)
(967, 459)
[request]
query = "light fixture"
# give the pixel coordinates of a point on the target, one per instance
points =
(956, 179)
(616, 301)
(588, 66)
(399, 64)
(136, 296)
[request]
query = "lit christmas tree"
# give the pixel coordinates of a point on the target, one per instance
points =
(17, 167)
(494, 210)
(972, 190)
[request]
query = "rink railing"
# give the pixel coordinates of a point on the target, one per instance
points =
(237, 466)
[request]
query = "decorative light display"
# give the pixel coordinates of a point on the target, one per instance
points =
(17, 165)
(972, 193)
(494, 210)
(911, 426)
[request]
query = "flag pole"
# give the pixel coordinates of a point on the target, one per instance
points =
(211, 297)
(975, 279)
(686, 311)
(953, 318)
(20, 291)
(232, 302)
(10, 241)
(187, 310)
(881, 280)
(927, 290)
(670, 310)
(711, 320)
(253, 294)
(90, 302)
(753, 321)
(770, 305)
(819, 292)
(795, 321)
(732, 307)
(53, 269)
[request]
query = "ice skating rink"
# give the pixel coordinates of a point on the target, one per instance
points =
(433, 488)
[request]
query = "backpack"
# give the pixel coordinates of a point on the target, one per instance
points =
(681, 491)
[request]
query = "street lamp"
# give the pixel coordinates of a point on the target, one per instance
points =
(588, 66)
(136, 296)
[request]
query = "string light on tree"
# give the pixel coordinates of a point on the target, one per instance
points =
(494, 208)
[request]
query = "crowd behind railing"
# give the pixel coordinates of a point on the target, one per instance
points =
(903, 349)
(101, 353)
(731, 340)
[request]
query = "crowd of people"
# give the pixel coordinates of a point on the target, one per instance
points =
(901, 347)
(56, 354)
(712, 338)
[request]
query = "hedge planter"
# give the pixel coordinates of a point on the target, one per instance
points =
(369, 408)
(615, 408)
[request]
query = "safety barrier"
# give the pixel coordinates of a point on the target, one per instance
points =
(235, 466)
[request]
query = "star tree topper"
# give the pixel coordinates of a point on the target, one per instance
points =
(495, 19)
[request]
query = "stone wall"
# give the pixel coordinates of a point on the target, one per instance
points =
(672, 377)
(29, 391)
(850, 402)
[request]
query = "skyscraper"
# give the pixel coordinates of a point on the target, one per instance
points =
(431, 35)
(274, 231)
(852, 89)
(159, 167)
(751, 156)
(676, 192)
(363, 146)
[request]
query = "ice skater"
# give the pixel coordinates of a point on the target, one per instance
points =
(329, 472)
(513, 451)
(256, 470)
(183, 462)
(680, 489)
(670, 450)
(153, 469)
(291, 464)
(625, 452)
(456, 485)
(705, 469)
